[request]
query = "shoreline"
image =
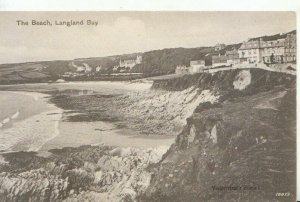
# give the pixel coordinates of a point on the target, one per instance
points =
(89, 132)
(142, 81)
(31, 131)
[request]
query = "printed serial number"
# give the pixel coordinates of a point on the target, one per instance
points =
(283, 194)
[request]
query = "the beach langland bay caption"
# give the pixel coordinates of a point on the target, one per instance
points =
(67, 23)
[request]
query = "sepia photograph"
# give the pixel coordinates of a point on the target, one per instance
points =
(148, 106)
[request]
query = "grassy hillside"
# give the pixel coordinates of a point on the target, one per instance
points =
(159, 62)
(156, 62)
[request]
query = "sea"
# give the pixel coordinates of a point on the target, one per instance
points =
(29, 122)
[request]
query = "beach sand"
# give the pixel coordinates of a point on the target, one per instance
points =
(47, 126)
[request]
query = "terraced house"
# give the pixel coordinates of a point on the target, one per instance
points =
(250, 51)
(273, 51)
(197, 66)
(282, 50)
(232, 57)
(290, 54)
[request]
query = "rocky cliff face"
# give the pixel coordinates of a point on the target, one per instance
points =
(241, 148)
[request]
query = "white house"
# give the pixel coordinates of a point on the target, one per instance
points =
(197, 66)
(182, 69)
(130, 63)
(251, 51)
(115, 68)
(80, 68)
(98, 68)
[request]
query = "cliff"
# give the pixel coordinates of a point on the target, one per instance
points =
(242, 147)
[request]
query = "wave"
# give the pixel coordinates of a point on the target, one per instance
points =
(6, 120)
(32, 133)
(15, 115)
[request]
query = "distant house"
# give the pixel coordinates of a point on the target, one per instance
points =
(130, 63)
(84, 68)
(80, 68)
(88, 69)
(251, 51)
(280, 50)
(116, 68)
(219, 60)
(98, 68)
(232, 57)
(197, 66)
(290, 48)
(219, 46)
(182, 69)
(273, 51)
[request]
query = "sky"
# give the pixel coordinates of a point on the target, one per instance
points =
(129, 32)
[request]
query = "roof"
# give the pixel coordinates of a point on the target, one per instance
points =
(274, 43)
(221, 58)
(196, 62)
(250, 45)
(232, 52)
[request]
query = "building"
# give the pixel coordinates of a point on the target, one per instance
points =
(219, 60)
(130, 63)
(219, 46)
(116, 68)
(87, 69)
(197, 66)
(273, 51)
(127, 63)
(182, 69)
(139, 59)
(84, 68)
(232, 57)
(80, 68)
(98, 68)
(280, 50)
(290, 54)
(250, 51)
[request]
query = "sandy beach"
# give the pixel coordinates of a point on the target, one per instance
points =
(49, 126)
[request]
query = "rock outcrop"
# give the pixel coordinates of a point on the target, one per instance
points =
(78, 174)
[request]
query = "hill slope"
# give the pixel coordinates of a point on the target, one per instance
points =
(156, 62)
(241, 148)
